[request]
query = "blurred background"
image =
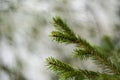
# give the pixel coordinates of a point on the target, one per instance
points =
(25, 26)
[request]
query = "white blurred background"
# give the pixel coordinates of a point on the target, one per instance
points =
(26, 24)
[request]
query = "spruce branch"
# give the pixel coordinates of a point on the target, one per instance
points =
(65, 71)
(81, 53)
(56, 65)
(66, 35)
(101, 60)
(62, 37)
(84, 50)
(62, 26)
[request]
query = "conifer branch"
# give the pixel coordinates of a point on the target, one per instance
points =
(62, 26)
(66, 35)
(62, 37)
(99, 59)
(81, 53)
(84, 50)
(65, 71)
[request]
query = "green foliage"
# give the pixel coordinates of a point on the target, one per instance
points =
(67, 72)
(62, 26)
(84, 50)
